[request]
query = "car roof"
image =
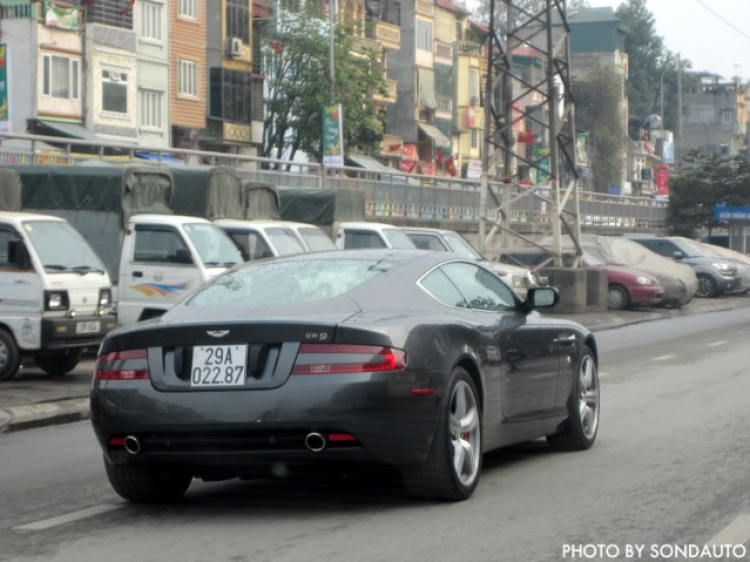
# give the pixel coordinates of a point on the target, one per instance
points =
(428, 230)
(368, 225)
(172, 220)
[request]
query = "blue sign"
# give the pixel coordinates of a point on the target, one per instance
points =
(729, 214)
(615, 189)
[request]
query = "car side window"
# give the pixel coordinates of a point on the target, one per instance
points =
(11, 247)
(482, 289)
(251, 245)
(358, 239)
(160, 245)
(441, 288)
(657, 246)
(427, 242)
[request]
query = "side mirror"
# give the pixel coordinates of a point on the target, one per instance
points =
(678, 255)
(18, 255)
(542, 297)
(183, 256)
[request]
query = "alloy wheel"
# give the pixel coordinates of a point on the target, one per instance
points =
(705, 287)
(588, 399)
(465, 433)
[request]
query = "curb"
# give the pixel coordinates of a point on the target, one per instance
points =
(17, 418)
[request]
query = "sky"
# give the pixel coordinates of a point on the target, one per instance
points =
(693, 31)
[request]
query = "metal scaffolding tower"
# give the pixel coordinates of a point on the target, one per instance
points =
(543, 26)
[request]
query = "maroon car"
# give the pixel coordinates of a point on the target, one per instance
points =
(627, 286)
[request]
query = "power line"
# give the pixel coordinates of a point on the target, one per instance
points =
(722, 18)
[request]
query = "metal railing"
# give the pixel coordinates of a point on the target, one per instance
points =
(389, 194)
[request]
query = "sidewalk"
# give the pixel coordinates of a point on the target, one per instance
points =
(35, 399)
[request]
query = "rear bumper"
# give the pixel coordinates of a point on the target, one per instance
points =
(646, 294)
(61, 333)
(221, 428)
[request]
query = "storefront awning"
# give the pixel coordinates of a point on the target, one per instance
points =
(368, 163)
(438, 138)
(63, 129)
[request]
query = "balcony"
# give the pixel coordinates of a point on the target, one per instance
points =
(387, 34)
(469, 48)
(365, 45)
(391, 95)
(109, 12)
(236, 133)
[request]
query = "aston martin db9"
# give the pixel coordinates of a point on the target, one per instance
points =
(418, 360)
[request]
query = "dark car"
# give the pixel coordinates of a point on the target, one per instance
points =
(715, 276)
(420, 360)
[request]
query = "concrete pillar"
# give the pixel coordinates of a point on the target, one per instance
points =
(597, 285)
(572, 286)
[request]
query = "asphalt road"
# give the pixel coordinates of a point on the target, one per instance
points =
(670, 467)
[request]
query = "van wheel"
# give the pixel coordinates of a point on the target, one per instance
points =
(10, 356)
(58, 363)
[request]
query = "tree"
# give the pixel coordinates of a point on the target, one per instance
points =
(296, 62)
(711, 180)
(482, 12)
(599, 110)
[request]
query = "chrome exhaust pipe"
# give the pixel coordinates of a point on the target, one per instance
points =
(132, 445)
(315, 442)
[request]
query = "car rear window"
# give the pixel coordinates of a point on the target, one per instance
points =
(289, 282)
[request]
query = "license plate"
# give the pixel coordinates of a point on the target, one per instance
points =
(219, 365)
(88, 327)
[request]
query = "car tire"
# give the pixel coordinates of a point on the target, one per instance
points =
(707, 288)
(10, 356)
(618, 297)
(148, 484)
(577, 432)
(58, 363)
(442, 475)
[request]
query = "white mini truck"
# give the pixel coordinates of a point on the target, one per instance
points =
(55, 294)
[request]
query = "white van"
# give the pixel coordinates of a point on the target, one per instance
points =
(55, 294)
(371, 235)
(164, 258)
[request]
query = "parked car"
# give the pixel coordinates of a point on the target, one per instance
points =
(416, 360)
(262, 239)
(740, 261)
(371, 235)
(439, 240)
(312, 238)
(715, 276)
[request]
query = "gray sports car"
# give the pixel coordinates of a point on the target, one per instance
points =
(419, 360)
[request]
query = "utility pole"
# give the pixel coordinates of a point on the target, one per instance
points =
(679, 111)
(331, 45)
(663, 118)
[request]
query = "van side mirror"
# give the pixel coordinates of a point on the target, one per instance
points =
(678, 255)
(542, 297)
(18, 255)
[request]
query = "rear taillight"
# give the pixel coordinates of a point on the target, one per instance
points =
(123, 365)
(323, 359)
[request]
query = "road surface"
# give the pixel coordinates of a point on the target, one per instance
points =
(670, 467)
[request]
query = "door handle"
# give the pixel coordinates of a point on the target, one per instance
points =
(565, 340)
(137, 274)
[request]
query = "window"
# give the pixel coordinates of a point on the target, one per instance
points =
(238, 20)
(459, 31)
(160, 245)
(279, 283)
(460, 246)
(444, 81)
(151, 21)
(114, 91)
(726, 116)
(474, 87)
(251, 245)
(151, 103)
(284, 240)
(10, 251)
(187, 78)
(316, 239)
(212, 245)
(441, 288)
(474, 139)
(662, 247)
(187, 9)
(60, 77)
(359, 239)
(424, 35)
(398, 239)
(230, 92)
(427, 242)
(482, 289)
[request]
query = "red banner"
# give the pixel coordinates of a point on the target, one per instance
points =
(410, 153)
(662, 181)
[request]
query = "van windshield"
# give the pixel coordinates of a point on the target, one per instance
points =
(460, 246)
(214, 247)
(61, 249)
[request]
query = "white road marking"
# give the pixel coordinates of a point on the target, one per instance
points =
(69, 518)
(737, 532)
(664, 357)
(603, 374)
(717, 343)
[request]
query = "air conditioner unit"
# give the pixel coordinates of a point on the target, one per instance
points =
(234, 46)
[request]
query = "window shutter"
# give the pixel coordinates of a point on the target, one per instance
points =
(74, 79)
(45, 76)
